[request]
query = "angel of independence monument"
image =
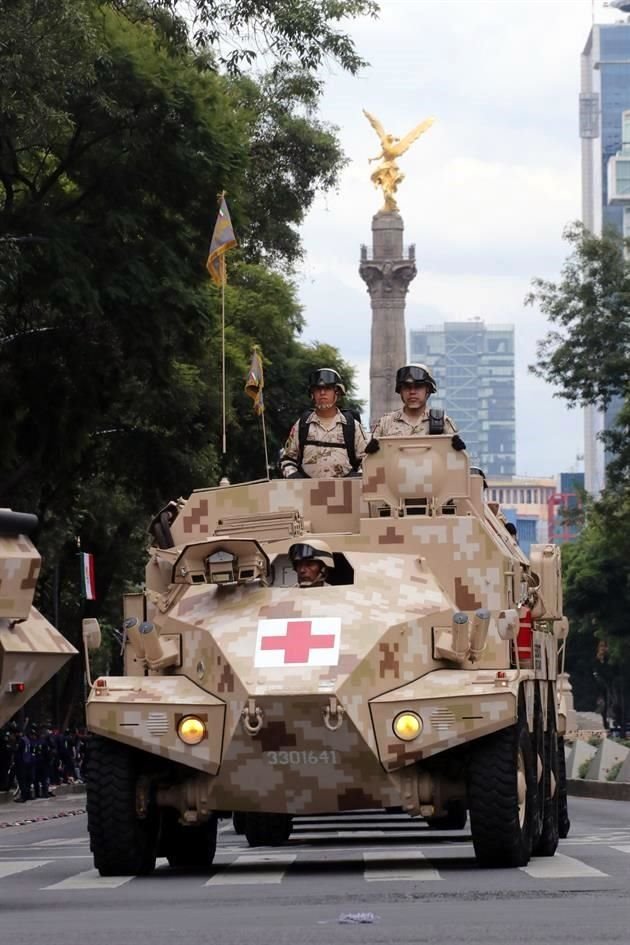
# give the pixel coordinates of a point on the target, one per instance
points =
(387, 272)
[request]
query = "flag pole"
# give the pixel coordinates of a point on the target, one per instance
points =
(223, 348)
(264, 427)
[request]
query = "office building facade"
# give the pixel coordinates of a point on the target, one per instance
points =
(605, 137)
(473, 365)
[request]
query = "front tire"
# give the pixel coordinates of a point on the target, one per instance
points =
(122, 842)
(267, 830)
(502, 796)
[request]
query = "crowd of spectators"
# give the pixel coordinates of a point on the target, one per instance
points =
(34, 759)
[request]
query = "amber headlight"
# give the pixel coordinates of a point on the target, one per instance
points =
(191, 730)
(407, 726)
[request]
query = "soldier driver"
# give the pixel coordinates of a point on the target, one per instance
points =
(311, 561)
(415, 384)
(325, 442)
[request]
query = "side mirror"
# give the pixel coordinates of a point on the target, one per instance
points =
(91, 633)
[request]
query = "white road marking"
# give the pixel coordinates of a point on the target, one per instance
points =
(407, 869)
(559, 867)
(622, 847)
(91, 879)
(19, 866)
(232, 875)
(73, 842)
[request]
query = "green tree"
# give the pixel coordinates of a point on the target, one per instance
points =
(114, 138)
(239, 32)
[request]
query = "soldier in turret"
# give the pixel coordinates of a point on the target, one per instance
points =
(325, 442)
(415, 384)
(312, 559)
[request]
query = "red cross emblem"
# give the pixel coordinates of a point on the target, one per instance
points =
(298, 642)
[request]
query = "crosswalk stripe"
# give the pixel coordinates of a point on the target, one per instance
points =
(559, 867)
(91, 879)
(622, 847)
(233, 874)
(404, 869)
(9, 867)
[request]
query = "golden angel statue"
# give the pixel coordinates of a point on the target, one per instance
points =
(388, 175)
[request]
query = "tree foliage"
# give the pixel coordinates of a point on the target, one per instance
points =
(238, 32)
(587, 354)
(115, 137)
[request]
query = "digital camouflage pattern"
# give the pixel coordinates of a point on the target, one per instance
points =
(398, 423)
(299, 688)
(322, 462)
(31, 650)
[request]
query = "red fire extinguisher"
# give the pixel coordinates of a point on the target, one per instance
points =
(525, 638)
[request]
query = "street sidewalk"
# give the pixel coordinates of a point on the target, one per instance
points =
(69, 800)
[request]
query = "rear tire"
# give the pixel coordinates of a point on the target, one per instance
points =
(123, 843)
(502, 796)
(549, 834)
(564, 824)
(267, 830)
(191, 847)
(454, 819)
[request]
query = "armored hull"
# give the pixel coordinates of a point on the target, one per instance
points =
(433, 653)
(31, 649)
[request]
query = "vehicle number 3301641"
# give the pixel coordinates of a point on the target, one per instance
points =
(302, 757)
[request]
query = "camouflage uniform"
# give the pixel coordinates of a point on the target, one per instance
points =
(322, 462)
(399, 423)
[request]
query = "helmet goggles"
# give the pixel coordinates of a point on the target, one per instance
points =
(414, 374)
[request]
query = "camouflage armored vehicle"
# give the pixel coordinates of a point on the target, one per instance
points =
(31, 650)
(422, 679)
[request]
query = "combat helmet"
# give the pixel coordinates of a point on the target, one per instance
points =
(415, 372)
(312, 550)
(326, 377)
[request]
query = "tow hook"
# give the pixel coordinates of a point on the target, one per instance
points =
(252, 718)
(333, 714)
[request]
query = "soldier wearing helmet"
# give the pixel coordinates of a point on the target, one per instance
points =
(325, 442)
(312, 559)
(415, 384)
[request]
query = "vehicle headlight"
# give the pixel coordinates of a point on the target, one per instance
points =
(407, 726)
(191, 730)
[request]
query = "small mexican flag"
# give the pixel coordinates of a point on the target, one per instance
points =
(88, 585)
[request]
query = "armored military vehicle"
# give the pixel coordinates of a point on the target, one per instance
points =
(423, 678)
(31, 650)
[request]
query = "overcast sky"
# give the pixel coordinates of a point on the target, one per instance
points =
(488, 189)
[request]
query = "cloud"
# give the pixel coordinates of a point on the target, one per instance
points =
(488, 189)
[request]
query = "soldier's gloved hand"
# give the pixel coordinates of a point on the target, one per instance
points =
(372, 447)
(457, 443)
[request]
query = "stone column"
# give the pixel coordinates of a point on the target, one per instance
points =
(387, 274)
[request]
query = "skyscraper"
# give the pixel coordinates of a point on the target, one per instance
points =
(473, 365)
(604, 97)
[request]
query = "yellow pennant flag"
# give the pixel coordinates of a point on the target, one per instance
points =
(256, 381)
(222, 239)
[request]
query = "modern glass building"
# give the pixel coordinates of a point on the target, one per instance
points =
(605, 134)
(473, 364)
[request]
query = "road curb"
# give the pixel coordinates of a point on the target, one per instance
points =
(607, 790)
(6, 797)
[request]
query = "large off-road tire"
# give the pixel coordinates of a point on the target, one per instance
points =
(564, 824)
(267, 830)
(454, 819)
(502, 795)
(191, 847)
(547, 843)
(123, 843)
(238, 821)
(538, 748)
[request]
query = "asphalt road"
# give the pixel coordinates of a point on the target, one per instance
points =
(415, 886)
